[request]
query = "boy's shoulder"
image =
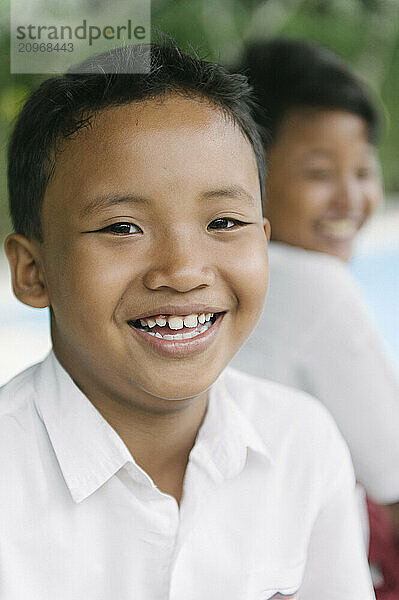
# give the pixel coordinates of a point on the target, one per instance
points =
(259, 396)
(17, 405)
(310, 261)
(307, 290)
(18, 392)
(287, 419)
(315, 275)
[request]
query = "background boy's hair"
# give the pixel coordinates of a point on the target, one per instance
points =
(288, 74)
(62, 105)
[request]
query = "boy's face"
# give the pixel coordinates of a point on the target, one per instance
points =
(153, 211)
(324, 180)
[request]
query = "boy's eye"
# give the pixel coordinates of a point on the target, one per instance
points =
(319, 174)
(365, 172)
(122, 229)
(225, 223)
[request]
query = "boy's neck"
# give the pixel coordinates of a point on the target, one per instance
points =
(160, 443)
(159, 433)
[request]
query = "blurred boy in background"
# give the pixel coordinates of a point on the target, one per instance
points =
(316, 334)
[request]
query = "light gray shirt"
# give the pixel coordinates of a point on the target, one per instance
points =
(317, 335)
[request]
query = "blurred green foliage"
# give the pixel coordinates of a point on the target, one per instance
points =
(364, 32)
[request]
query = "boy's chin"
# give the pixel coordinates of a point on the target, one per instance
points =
(178, 392)
(181, 379)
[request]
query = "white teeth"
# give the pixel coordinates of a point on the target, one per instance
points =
(182, 336)
(176, 323)
(190, 321)
(339, 227)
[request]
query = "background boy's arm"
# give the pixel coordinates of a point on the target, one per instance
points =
(336, 567)
(346, 366)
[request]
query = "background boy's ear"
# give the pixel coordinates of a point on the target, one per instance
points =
(267, 228)
(26, 271)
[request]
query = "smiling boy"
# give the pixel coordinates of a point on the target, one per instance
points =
(133, 464)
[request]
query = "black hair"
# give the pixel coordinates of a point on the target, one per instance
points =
(288, 74)
(64, 104)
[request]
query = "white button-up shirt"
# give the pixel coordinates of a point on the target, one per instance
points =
(317, 335)
(267, 508)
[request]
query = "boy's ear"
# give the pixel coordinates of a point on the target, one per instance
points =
(267, 228)
(26, 272)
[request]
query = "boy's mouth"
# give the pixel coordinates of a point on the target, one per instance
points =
(339, 229)
(176, 327)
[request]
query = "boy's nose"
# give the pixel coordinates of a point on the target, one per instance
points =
(179, 264)
(348, 195)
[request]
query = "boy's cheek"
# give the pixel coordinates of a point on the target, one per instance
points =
(249, 276)
(252, 260)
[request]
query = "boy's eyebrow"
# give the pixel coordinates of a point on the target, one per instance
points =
(233, 191)
(318, 152)
(107, 200)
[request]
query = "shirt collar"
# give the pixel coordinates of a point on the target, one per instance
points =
(89, 451)
(227, 434)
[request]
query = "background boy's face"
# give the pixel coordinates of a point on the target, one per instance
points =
(153, 210)
(324, 180)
